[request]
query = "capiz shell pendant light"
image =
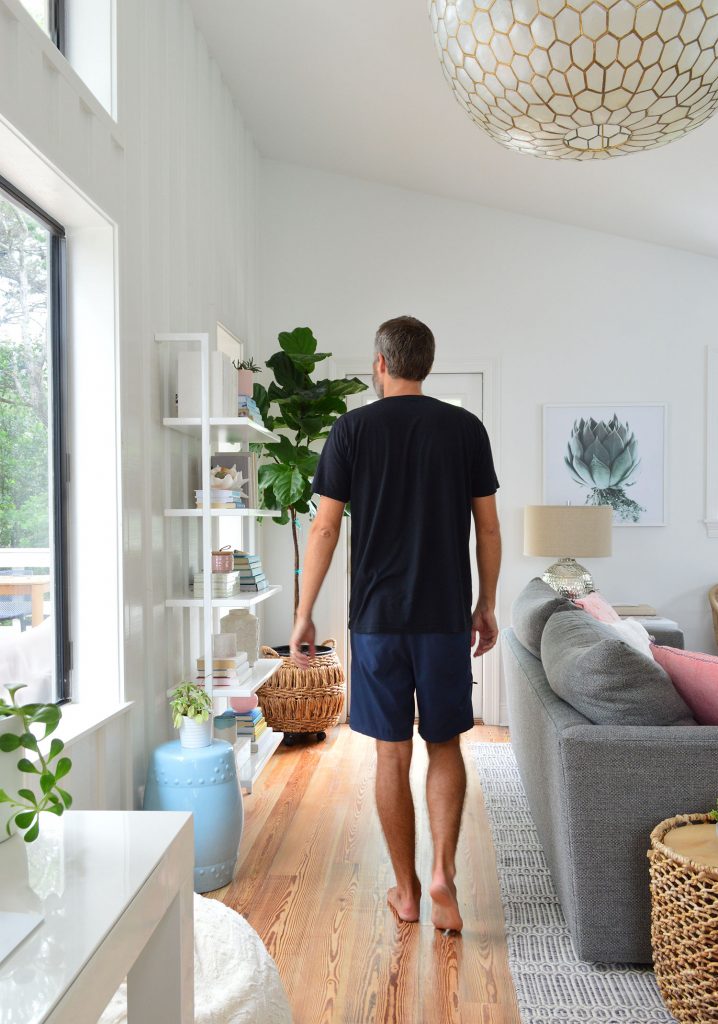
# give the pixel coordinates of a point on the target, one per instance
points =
(581, 79)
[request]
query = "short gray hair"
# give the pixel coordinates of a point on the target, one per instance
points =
(408, 347)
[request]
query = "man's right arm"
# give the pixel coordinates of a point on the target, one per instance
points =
(488, 560)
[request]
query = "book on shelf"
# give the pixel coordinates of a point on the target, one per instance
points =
(254, 731)
(253, 588)
(255, 744)
(245, 561)
(224, 584)
(221, 499)
(251, 577)
(225, 664)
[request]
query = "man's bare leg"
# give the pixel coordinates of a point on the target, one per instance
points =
(396, 813)
(445, 791)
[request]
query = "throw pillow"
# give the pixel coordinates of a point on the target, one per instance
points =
(532, 609)
(695, 676)
(635, 634)
(598, 607)
(604, 678)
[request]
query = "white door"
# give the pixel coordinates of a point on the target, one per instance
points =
(462, 389)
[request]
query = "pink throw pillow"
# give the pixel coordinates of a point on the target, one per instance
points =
(695, 676)
(598, 607)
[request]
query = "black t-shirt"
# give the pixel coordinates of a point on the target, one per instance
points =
(410, 466)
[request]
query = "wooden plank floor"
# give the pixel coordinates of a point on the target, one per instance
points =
(312, 877)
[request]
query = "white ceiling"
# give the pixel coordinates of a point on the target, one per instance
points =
(356, 88)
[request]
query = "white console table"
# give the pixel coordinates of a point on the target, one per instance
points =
(115, 890)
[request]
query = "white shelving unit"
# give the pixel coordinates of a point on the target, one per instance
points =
(253, 766)
(200, 438)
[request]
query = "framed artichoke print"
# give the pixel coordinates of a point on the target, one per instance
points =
(607, 455)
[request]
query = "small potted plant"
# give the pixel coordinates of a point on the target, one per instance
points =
(21, 807)
(245, 376)
(713, 815)
(192, 715)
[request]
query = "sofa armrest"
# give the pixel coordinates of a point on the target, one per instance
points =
(620, 782)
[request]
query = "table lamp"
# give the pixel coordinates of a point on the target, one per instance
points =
(568, 532)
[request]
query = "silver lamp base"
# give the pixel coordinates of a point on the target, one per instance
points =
(569, 578)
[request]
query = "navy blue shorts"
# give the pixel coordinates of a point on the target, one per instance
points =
(386, 670)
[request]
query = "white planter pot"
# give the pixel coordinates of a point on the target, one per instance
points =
(195, 734)
(10, 777)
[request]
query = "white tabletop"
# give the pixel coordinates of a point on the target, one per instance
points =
(81, 875)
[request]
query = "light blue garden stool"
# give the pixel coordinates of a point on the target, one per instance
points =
(204, 781)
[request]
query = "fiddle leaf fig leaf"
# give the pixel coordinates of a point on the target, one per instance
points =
(300, 340)
(286, 374)
(288, 485)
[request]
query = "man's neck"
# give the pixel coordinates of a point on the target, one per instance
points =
(395, 386)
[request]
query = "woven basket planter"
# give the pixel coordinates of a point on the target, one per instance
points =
(684, 927)
(304, 699)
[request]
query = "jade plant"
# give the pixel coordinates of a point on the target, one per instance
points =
(190, 701)
(302, 411)
(49, 768)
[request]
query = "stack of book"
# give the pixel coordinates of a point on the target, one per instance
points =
(220, 498)
(246, 406)
(224, 584)
(252, 724)
(251, 574)
(226, 671)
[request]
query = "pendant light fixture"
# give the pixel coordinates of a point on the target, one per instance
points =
(581, 79)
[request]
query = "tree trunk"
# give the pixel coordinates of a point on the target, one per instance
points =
(295, 538)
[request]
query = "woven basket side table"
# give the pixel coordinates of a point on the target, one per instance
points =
(684, 916)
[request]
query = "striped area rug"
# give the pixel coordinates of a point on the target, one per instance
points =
(551, 983)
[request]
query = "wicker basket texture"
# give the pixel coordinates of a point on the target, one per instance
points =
(684, 927)
(304, 700)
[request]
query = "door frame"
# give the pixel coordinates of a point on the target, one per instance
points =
(490, 370)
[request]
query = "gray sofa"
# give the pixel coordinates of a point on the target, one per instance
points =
(595, 793)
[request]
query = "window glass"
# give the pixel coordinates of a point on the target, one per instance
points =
(39, 9)
(27, 563)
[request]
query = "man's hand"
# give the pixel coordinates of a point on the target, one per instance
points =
(303, 633)
(483, 622)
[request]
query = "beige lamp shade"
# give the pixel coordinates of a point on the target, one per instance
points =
(573, 531)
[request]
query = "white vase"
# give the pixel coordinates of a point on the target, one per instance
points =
(245, 627)
(10, 777)
(194, 734)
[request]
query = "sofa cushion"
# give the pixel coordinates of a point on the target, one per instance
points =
(604, 678)
(695, 676)
(598, 607)
(532, 609)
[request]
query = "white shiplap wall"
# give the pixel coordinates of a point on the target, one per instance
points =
(176, 176)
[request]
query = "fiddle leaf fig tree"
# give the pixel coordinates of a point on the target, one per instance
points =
(302, 410)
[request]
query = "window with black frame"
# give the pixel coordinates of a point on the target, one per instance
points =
(34, 642)
(50, 16)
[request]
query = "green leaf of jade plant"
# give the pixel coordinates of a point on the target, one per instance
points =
(29, 804)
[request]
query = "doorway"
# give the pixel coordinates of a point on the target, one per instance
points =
(462, 389)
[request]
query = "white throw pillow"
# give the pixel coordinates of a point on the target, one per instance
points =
(632, 632)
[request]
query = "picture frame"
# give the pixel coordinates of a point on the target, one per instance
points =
(627, 470)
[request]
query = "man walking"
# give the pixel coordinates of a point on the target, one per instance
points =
(415, 471)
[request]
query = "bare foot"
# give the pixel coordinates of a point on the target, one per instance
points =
(405, 907)
(445, 913)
